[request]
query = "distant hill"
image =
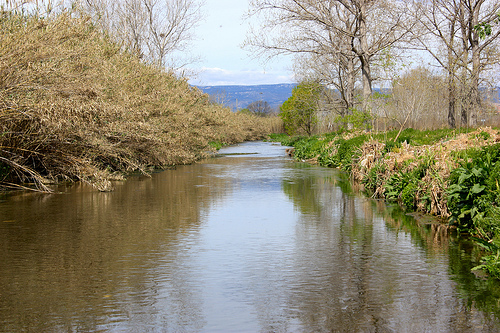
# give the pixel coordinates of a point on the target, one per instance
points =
(239, 97)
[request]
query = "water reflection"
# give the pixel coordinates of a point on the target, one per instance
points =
(91, 260)
(240, 243)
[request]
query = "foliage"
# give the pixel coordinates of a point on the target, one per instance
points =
(347, 151)
(4, 171)
(299, 111)
(355, 119)
(374, 178)
(244, 111)
(484, 29)
(397, 183)
(474, 186)
(283, 138)
(470, 193)
(490, 263)
(404, 184)
(217, 145)
(418, 137)
(474, 200)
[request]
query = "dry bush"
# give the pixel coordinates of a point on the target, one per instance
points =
(418, 100)
(73, 106)
(408, 157)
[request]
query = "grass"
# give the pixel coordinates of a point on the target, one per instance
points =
(420, 138)
(75, 106)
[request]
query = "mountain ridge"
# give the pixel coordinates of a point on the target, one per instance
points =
(238, 97)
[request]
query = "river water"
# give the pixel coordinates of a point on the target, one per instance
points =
(247, 242)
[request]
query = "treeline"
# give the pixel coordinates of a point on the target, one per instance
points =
(436, 57)
(76, 105)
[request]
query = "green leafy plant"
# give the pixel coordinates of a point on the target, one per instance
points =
(408, 196)
(373, 178)
(484, 135)
(473, 200)
(473, 185)
(491, 262)
(395, 185)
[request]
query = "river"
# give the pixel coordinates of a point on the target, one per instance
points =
(247, 242)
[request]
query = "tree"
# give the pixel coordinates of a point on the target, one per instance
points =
(170, 25)
(349, 33)
(260, 108)
(417, 99)
(299, 111)
(456, 26)
(152, 29)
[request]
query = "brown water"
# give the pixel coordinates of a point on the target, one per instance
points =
(240, 243)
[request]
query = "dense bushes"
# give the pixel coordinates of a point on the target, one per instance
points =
(73, 106)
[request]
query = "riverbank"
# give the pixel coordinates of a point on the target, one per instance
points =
(450, 174)
(74, 105)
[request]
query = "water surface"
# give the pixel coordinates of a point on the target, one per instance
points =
(247, 242)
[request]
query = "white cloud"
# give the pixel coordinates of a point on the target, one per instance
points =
(219, 76)
(222, 60)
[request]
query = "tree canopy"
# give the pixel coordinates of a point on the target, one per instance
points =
(300, 110)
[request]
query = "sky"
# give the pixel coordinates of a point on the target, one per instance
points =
(222, 60)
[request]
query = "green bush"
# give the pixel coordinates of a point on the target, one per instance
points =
(408, 196)
(308, 147)
(355, 119)
(299, 111)
(347, 152)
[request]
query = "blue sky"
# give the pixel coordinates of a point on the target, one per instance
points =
(218, 42)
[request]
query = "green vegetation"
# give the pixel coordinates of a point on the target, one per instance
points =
(354, 119)
(451, 174)
(75, 106)
(299, 111)
(474, 201)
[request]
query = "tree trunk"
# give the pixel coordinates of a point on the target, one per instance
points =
(364, 56)
(451, 79)
(476, 64)
(350, 85)
(451, 104)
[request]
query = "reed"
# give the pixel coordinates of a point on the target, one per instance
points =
(74, 106)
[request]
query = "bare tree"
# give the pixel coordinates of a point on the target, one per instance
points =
(472, 12)
(417, 100)
(170, 25)
(38, 7)
(153, 29)
(450, 26)
(260, 108)
(348, 32)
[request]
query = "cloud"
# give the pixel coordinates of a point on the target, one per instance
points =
(219, 76)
